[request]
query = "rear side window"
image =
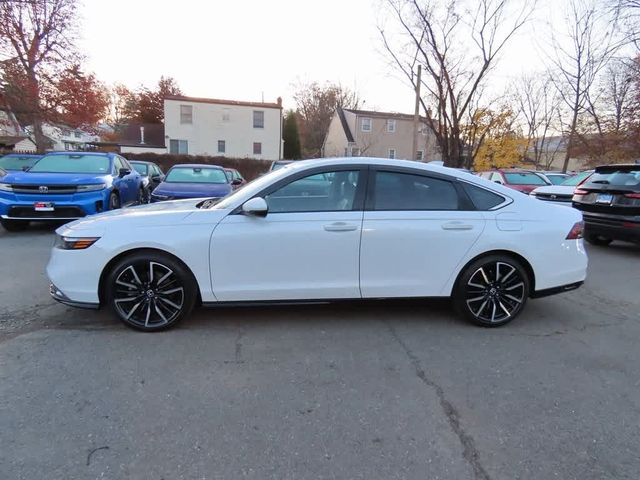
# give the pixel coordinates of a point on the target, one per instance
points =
(404, 191)
(481, 198)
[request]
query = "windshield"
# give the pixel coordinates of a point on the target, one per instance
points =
(628, 178)
(196, 175)
(17, 162)
(73, 163)
(141, 168)
(576, 179)
(524, 178)
(254, 185)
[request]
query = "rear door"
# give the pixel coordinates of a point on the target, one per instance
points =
(417, 228)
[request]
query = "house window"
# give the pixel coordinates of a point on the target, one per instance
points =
(221, 146)
(355, 152)
(66, 132)
(178, 147)
(392, 153)
(226, 114)
(391, 126)
(419, 155)
(186, 114)
(77, 134)
(258, 119)
(366, 124)
(257, 148)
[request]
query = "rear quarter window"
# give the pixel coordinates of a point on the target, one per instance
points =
(482, 199)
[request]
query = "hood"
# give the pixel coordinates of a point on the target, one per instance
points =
(28, 178)
(193, 190)
(149, 215)
(556, 190)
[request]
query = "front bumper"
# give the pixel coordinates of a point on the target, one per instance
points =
(616, 227)
(66, 207)
(58, 296)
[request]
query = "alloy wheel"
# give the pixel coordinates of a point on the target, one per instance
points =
(495, 292)
(148, 294)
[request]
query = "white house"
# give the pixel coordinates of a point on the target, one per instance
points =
(354, 133)
(62, 137)
(12, 136)
(207, 126)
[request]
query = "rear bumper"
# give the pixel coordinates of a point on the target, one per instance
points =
(555, 290)
(616, 227)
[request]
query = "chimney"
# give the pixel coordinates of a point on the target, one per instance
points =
(279, 102)
(141, 135)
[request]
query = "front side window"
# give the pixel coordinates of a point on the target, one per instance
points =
(257, 148)
(178, 147)
(186, 114)
(222, 146)
(391, 126)
(366, 124)
(258, 119)
(321, 192)
(73, 163)
(405, 191)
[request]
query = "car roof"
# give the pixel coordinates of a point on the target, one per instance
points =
(141, 161)
(197, 165)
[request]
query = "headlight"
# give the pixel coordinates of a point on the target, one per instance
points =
(532, 194)
(91, 188)
(74, 243)
(6, 187)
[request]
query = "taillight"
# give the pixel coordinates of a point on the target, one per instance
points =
(579, 191)
(633, 195)
(576, 231)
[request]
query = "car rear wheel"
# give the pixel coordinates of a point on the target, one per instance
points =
(150, 291)
(114, 201)
(598, 240)
(492, 291)
(14, 225)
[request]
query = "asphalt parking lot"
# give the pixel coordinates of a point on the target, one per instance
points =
(393, 390)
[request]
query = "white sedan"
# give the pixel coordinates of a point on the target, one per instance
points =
(322, 230)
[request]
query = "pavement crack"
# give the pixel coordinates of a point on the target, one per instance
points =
(469, 450)
(94, 451)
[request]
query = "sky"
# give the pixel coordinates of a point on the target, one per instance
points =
(255, 49)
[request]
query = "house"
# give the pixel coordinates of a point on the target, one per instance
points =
(62, 137)
(133, 138)
(207, 126)
(355, 133)
(12, 136)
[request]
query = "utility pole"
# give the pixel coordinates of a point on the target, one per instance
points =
(416, 117)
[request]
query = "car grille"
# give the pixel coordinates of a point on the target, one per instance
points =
(554, 197)
(59, 212)
(40, 189)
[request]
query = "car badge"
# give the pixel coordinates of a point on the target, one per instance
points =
(553, 197)
(43, 189)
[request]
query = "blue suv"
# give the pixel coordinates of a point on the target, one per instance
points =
(67, 186)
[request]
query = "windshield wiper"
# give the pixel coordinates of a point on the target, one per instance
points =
(603, 182)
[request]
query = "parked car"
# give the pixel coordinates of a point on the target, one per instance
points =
(563, 193)
(279, 164)
(66, 186)
(521, 180)
(192, 181)
(610, 204)
(346, 228)
(151, 174)
(235, 178)
(18, 161)
(556, 178)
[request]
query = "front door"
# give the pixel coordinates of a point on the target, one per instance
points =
(305, 248)
(416, 230)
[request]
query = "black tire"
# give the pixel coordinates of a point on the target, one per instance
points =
(144, 196)
(150, 291)
(14, 225)
(598, 240)
(114, 201)
(492, 291)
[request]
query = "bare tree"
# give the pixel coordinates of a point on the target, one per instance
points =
(589, 40)
(37, 36)
(458, 42)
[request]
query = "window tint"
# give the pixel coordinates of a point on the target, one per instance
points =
(618, 177)
(524, 178)
(403, 191)
(323, 192)
(481, 198)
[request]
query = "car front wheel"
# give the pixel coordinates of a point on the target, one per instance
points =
(492, 291)
(150, 291)
(114, 201)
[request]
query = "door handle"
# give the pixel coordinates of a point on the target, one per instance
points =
(340, 227)
(456, 226)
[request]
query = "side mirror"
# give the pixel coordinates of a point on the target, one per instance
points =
(156, 178)
(236, 181)
(123, 171)
(498, 181)
(257, 206)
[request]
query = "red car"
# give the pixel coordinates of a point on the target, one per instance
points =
(522, 180)
(235, 179)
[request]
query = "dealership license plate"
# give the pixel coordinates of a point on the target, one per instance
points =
(43, 207)
(604, 198)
